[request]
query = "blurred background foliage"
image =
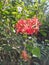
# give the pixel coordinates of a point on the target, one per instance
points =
(11, 43)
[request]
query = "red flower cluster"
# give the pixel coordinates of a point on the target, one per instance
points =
(29, 26)
(24, 55)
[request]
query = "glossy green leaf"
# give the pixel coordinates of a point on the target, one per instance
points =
(36, 52)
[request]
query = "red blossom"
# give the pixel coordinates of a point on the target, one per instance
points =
(29, 26)
(24, 55)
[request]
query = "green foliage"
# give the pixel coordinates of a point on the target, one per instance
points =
(13, 10)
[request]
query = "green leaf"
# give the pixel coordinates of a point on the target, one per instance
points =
(43, 33)
(14, 13)
(36, 51)
(0, 5)
(29, 47)
(6, 12)
(43, 1)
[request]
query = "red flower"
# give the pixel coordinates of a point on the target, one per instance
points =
(20, 25)
(24, 55)
(29, 26)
